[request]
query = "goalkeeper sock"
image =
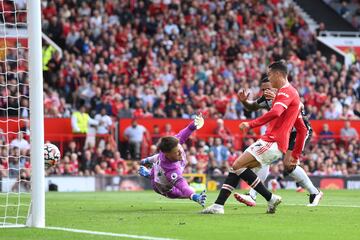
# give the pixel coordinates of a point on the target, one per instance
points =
(254, 182)
(300, 176)
(229, 185)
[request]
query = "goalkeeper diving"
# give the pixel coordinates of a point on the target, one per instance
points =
(168, 166)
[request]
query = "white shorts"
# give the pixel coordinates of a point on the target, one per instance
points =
(265, 152)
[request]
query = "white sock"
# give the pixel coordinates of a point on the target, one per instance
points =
(262, 172)
(218, 205)
(300, 176)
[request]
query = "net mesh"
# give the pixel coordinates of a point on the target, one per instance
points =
(14, 115)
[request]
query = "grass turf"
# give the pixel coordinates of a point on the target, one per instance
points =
(149, 214)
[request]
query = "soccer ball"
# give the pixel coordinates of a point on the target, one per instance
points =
(51, 155)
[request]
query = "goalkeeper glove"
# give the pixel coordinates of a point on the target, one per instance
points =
(199, 121)
(143, 171)
(199, 198)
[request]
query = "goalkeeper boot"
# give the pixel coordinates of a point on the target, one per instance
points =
(214, 209)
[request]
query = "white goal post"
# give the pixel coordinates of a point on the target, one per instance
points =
(36, 114)
(22, 189)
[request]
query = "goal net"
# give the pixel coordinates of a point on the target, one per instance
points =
(15, 172)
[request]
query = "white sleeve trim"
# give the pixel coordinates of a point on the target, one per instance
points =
(282, 104)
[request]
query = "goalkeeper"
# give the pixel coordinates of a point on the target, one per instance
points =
(168, 166)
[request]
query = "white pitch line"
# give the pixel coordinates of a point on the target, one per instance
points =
(261, 204)
(107, 233)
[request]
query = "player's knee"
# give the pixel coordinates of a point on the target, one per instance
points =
(236, 170)
(289, 169)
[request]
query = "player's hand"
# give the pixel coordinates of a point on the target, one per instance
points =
(244, 125)
(269, 95)
(199, 198)
(143, 171)
(243, 95)
(199, 121)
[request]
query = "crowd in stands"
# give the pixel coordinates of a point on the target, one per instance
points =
(172, 59)
(325, 155)
(348, 9)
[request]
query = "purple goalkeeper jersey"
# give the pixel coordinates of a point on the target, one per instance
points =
(166, 175)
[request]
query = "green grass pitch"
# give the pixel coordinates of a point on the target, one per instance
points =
(149, 214)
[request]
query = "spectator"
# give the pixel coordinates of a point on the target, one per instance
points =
(125, 112)
(348, 133)
(134, 134)
(168, 130)
(326, 136)
(121, 165)
(220, 152)
(103, 169)
(68, 166)
(155, 134)
(20, 142)
(81, 120)
(222, 131)
(82, 124)
(104, 122)
(88, 164)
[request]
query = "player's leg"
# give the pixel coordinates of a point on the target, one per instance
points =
(249, 199)
(299, 175)
(174, 193)
(262, 172)
(241, 169)
(264, 153)
(231, 182)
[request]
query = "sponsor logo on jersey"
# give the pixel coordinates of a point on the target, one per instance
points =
(284, 94)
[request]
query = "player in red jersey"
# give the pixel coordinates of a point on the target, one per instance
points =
(292, 169)
(283, 115)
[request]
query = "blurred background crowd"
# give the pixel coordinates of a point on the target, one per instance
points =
(173, 59)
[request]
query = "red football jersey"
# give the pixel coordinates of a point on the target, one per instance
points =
(282, 116)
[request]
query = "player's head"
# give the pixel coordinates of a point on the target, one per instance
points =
(277, 74)
(265, 84)
(170, 147)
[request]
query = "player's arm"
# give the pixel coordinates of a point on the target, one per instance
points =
(275, 112)
(301, 136)
(251, 105)
(184, 134)
(149, 160)
(248, 104)
(282, 101)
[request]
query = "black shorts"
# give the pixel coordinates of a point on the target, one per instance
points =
(293, 135)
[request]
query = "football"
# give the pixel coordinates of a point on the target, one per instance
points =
(51, 155)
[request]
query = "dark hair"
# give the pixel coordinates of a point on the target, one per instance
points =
(167, 144)
(264, 80)
(279, 66)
